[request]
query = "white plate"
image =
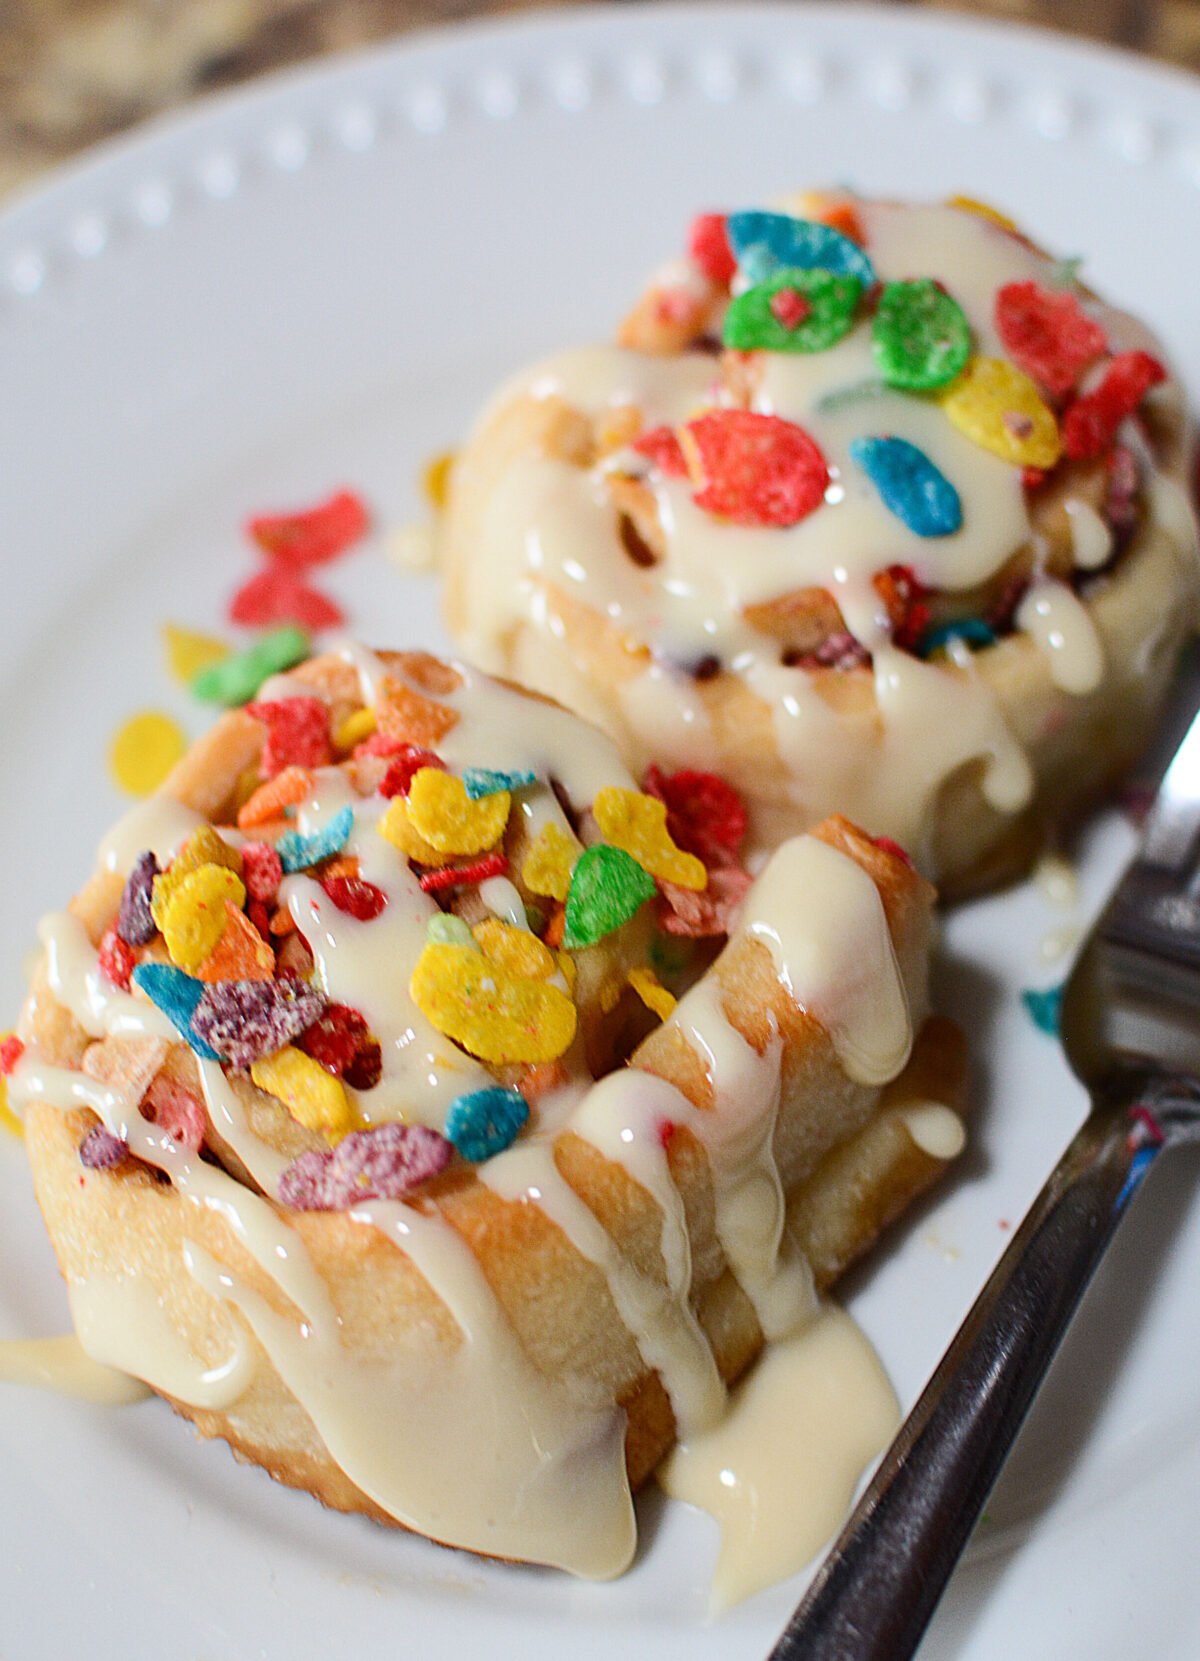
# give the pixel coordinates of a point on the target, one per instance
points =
(316, 282)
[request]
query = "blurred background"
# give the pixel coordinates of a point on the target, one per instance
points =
(74, 71)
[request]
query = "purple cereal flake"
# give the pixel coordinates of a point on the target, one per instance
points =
(135, 925)
(100, 1150)
(243, 1020)
(385, 1163)
(302, 1185)
(388, 1162)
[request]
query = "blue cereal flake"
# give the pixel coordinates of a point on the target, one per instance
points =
(1045, 1008)
(177, 995)
(483, 781)
(298, 852)
(765, 242)
(972, 631)
(485, 1122)
(918, 493)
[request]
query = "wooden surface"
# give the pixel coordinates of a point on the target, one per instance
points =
(74, 71)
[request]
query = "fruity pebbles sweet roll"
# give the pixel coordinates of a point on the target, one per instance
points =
(444, 1121)
(874, 508)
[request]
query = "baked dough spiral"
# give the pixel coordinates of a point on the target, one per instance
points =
(958, 671)
(484, 1329)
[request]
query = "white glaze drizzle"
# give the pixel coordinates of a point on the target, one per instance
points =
(778, 1473)
(821, 917)
(160, 823)
(1091, 537)
(657, 1315)
(1055, 619)
(935, 1128)
(73, 975)
(63, 1365)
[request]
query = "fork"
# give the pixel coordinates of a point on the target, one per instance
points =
(1130, 1027)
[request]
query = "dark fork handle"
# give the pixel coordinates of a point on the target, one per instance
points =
(874, 1596)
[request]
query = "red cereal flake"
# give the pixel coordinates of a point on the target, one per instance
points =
(366, 1070)
(177, 1111)
(314, 535)
(903, 593)
(666, 1130)
(379, 744)
(260, 918)
(11, 1051)
(708, 248)
(262, 871)
(893, 848)
(336, 1039)
(297, 733)
(464, 876)
(711, 911)
(754, 469)
(356, 897)
(1048, 334)
(1033, 478)
(278, 595)
(661, 447)
(409, 760)
(705, 815)
(116, 960)
(1091, 422)
(678, 307)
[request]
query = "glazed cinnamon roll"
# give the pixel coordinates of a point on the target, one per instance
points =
(873, 508)
(392, 1117)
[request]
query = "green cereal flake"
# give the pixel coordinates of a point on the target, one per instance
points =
(607, 887)
(235, 680)
(921, 336)
(793, 311)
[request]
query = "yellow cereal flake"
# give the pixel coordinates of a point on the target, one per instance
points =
(637, 824)
(203, 847)
(397, 827)
(998, 407)
(188, 652)
(435, 479)
(494, 1015)
(354, 729)
(568, 969)
(143, 751)
(981, 210)
(548, 865)
(443, 813)
(194, 916)
(610, 996)
(652, 992)
(312, 1096)
(514, 950)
